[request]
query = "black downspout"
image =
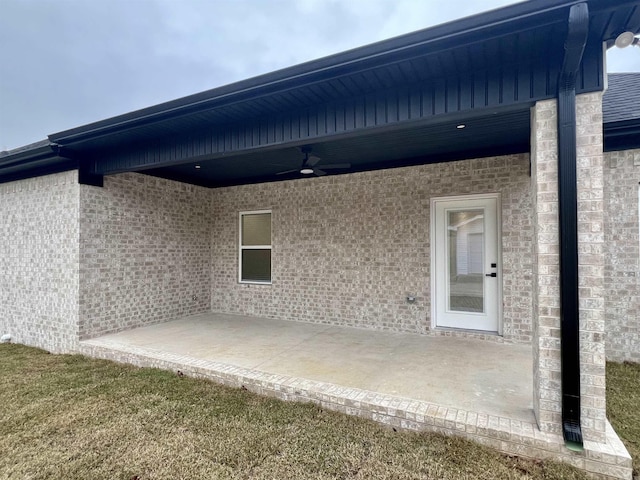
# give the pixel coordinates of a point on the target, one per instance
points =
(568, 206)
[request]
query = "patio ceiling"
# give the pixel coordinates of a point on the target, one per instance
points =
(498, 133)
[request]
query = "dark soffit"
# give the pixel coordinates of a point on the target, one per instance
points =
(487, 135)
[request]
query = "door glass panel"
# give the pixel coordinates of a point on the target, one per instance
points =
(466, 260)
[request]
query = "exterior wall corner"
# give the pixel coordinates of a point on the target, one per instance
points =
(546, 268)
(622, 255)
(591, 263)
(144, 253)
(39, 258)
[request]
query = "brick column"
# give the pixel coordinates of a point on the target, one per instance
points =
(547, 386)
(591, 264)
(546, 268)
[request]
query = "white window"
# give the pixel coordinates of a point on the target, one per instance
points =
(255, 247)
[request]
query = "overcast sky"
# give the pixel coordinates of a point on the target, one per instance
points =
(65, 63)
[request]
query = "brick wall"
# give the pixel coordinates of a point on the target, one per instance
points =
(348, 249)
(622, 255)
(123, 233)
(39, 261)
(144, 253)
(546, 268)
(591, 264)
(546, 301)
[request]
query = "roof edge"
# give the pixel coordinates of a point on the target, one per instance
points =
(28, 154)
(305, 72)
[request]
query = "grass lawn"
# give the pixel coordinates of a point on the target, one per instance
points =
(68, 416)
(623, 406)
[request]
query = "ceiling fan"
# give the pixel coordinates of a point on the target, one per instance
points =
(309, 163)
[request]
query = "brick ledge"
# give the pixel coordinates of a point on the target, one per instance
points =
(601, 460)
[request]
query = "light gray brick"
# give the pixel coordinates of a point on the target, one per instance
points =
(39, 257)
(144, 253)
(622, 256)
(347, 249)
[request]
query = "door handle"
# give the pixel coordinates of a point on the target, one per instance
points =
(494, 274)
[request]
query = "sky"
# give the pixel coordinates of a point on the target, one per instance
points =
(65, 63)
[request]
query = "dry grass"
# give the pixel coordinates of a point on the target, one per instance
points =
(623, 406)
(68, 416)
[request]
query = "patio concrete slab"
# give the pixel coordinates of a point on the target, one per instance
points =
(470, 374)
(477, 389)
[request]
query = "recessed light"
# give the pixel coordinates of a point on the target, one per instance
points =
(306, 171)
(461, 126)
(198, 167)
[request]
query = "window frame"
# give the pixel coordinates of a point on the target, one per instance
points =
(241, 247)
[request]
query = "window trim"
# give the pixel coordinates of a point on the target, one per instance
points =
(241, 247)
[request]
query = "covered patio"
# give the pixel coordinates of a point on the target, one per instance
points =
(374, 188)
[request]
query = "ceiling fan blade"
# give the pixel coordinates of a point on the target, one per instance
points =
(288, 171)
(319, 173)
(312, 160)
(336, 165)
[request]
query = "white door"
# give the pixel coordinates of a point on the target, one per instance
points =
(465, 263)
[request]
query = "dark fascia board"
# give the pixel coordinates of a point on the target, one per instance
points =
(47, 167)
(310, 72)
(33, 162)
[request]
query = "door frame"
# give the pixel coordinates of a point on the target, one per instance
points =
(432, 254)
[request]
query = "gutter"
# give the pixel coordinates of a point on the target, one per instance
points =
(33, 154)
(624, 135)
(32, 162)
(568, 216)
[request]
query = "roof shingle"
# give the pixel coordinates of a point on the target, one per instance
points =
(621, 101)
